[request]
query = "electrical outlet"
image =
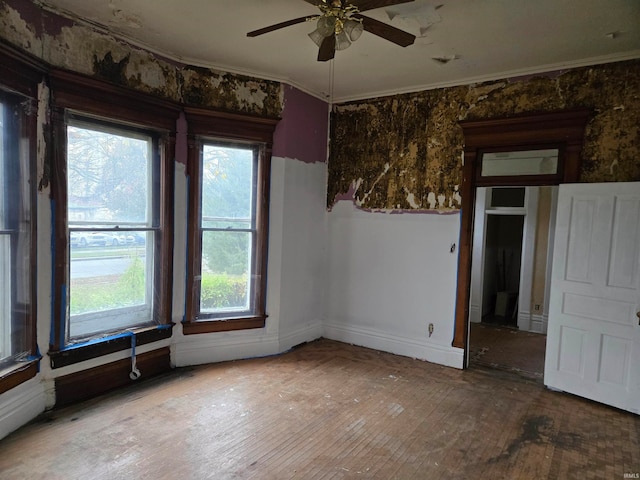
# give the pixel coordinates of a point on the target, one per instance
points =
(430, 329)
(536, 307)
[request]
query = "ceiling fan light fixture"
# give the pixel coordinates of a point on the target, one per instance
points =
(340, 23)
(326, 25)
(353, 28)
(317, 37)
(342, 41)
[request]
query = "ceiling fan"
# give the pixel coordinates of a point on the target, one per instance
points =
(340, 23)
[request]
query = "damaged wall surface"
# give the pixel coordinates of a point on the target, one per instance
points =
(404, 152)
(71, 45)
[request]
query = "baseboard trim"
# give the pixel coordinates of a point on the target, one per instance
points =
(305, 334)
(408, 347)
(539, 323)
(222, 347)
(524, 320)
(20, 405)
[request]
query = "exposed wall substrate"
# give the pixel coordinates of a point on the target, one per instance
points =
(404, 152)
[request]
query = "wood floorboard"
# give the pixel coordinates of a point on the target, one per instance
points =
(507, 348)
(328, 410)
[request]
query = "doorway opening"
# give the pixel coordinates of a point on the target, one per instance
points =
(523, 150)
(513, 229)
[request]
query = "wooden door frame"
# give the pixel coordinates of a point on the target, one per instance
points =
(563, 130)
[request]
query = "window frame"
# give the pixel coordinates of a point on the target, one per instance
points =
(151, 224)
(521, 180)
(208, 126)
(20, 78)
(254, 258)
(77, 96)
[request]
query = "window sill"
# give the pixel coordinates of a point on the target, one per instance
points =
(211, 326)
(104, 346)
(17, 373)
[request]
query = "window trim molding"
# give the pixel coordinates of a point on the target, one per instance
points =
(20, 71)
(17, 374)
(85, 97)
(232, 128)
(110, 344)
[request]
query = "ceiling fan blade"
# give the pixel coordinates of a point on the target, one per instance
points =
(386, 31)
(277, 26)
(364, 5)
(327, 49)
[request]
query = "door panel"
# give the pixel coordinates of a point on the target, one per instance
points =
(580, 235)
(593, 341)
(622, 272)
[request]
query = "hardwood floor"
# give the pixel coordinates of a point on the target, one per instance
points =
(328, 410)
(507, 348)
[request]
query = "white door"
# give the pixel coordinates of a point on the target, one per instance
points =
(593, 341)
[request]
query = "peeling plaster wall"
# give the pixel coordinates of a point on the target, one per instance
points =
(404, 152)
(74, 46)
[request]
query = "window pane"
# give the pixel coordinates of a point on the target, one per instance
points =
(15, 235)
(109, 190)
(108, 176)
(532, 162)
(227, 187)
(226, 272)
(107, 277)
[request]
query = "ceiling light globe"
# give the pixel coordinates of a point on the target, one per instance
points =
(342, 41)
(317, 37)
(327, 25)
(354, 29)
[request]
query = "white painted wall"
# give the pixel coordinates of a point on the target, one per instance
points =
(296, 275)
(390, 275)
(303, 273)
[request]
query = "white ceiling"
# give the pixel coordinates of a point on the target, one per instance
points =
(489, 39)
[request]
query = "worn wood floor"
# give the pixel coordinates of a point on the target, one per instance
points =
(328, 410)
(508, 349)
